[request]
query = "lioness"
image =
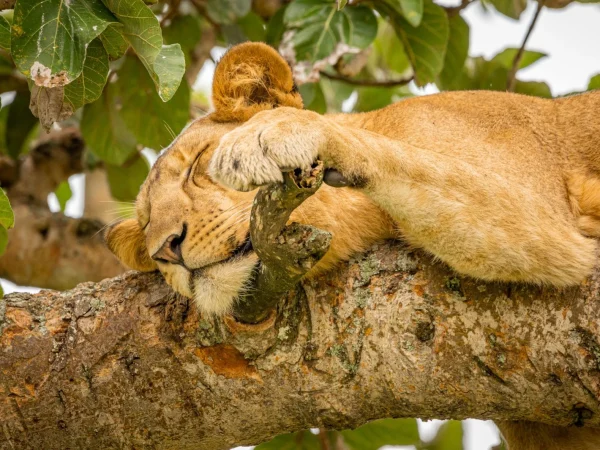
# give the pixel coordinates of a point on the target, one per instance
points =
(499, 186)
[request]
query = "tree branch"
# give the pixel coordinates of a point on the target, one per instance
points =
(126, 363)
(53, 251)
(7, 4)
(286, 253)
(452, 11)
(371, 83)
(45, 249)
(512, 75)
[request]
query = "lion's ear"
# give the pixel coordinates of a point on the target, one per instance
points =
(128, 242)
(250, 78)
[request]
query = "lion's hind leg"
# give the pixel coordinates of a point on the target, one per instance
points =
(584, 197)
(537, 436)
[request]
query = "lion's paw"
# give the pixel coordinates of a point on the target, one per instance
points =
(270, 143)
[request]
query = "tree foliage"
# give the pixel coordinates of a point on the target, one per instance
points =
(121, 70)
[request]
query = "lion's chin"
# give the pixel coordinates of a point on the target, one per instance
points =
(216, 288)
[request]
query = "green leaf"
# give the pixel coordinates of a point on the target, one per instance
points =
(594, 82)
(458, 50)
(49, 38)
(388, 53)
(114, 42)
(227, 11)
(341, 4)
(303, 440)
(506, 57)
(125, 181)
(63, 194)
(104, 131)
(7, 217)
(411, 10)
(185, 31)
(161, 121)
(249, 28)
(372, 98)
(3, 244)
(4, 33)
(253, 27)
(166, 64)
(426, 44)
(336, 93)
(448, 437)
(510, 8)
(19, 124)
(378, 433)
(168, 72)
(275, 28)
(318, 27)
(313, 97)
(87, 88)
(535, 88)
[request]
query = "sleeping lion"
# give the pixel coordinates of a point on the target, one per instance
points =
(499, 186)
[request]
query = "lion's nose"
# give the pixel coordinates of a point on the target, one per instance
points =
(171, 249)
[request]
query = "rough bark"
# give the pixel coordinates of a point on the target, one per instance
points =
(7, 4)
(286, 253)
(127, 364)
(46, 249)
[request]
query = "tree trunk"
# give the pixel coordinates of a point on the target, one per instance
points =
(125, 363)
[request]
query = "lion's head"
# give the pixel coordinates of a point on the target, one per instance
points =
(195, 231)
(187, 226)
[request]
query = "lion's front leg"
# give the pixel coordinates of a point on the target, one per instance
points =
(482, 223)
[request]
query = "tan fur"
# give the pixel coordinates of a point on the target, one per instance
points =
(537, 436)
(499, 186)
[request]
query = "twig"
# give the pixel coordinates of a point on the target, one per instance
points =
(370, 83)
(452, 11)
(171, 13)
(286, 252)
(7, 4)
(323, 439)
(511, 80)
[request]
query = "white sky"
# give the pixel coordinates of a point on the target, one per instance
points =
(570, 36)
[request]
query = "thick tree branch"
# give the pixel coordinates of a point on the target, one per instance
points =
(286, 253)
(125, 363)
(45, 249)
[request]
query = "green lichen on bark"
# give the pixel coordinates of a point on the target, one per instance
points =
(286, 252)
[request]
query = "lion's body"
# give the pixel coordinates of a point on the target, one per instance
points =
(499, 186)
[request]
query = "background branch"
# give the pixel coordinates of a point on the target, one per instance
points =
(512, 75)
(372, 83)
(7, 4)
(455, 10)
(45, 249)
